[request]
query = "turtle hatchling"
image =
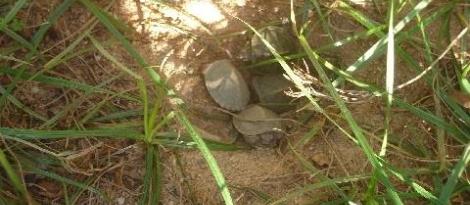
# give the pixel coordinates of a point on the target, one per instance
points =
(270, 90)
(278, 37)
(259, 126)
(226, 85)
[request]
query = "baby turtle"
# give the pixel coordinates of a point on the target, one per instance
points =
(259, 126)
(226, 85)
(278, 37)
(270, 90)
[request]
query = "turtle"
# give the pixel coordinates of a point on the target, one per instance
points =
(259, 126)
(226, 85)
(270, 90)
(277, 36)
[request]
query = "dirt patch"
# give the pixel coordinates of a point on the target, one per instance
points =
(269, 171)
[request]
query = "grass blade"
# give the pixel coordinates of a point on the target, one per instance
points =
(315, 186)
(12, 13)
(458, 134)
(382, 176)
(20, 105)
(152, 178)
(23, 42)
(63, 83)
(119, 115)
(390, 76)
(12, 175)
(37, 38)
(461, 165)
(313, 171)
(418, 188)
(219, 178)
(352, 123)
(389, 87)
(372, 52)
(51, 20)
(103, 18)
(65, 180)
(59, 58)
(110, 57)
(26, 134)
(74, 104)
(323, 22)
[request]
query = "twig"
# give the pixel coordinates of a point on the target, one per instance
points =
(411, 81)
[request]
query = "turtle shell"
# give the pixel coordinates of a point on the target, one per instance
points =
(226, 85)
(270, 91)
(257, 120)
(278, 37)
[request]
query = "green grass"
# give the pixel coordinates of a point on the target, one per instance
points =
(25, 148)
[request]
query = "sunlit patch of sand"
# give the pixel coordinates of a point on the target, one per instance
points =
(172, 30)
(204, 10)
(207, 12)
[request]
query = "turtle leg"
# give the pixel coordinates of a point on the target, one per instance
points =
(251, 139)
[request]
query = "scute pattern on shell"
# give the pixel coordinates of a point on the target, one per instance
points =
(226, 85)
